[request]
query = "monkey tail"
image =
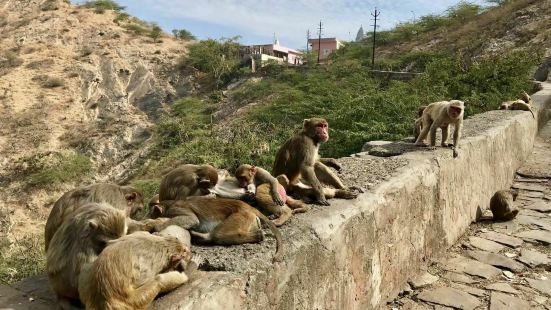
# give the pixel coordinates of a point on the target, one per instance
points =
(278, 256)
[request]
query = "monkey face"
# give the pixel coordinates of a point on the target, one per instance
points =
(322, 130)
(454, 111)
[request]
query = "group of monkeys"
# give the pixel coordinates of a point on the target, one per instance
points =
(100, 256)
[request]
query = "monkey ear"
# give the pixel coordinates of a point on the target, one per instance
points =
(306, 122)
(131, 197)
(93, 224)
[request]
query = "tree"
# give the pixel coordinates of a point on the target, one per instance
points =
(464, 11)
(360, 35)
(155, 32)
(218, 58)
(183, 34)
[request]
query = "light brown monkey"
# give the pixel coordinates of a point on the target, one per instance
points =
(228, 187)
(266, 204)
(441, 115)
(124, 198)
(298, 159)
(78, 241)
(502, 206)
(132, 271)
(524, 103)
(418, 122)
(218, 221)
(251, 175)
(187, 180)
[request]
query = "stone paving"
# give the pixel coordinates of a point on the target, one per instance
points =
(496, 265)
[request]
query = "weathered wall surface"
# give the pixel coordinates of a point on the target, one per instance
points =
(358, 254)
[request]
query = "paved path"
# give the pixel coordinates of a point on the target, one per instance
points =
(496, 265)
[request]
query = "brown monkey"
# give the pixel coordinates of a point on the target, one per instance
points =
(307, 193)
(266, 204)
(418, 122)
(177, 232)
(218, 221)
(132, 271)
(78, 241)
(251, 175)
(228, 187)
(524, 103)
(298, 159)
(187, 180)
(502, 206)
(441, 115)
(124, 198)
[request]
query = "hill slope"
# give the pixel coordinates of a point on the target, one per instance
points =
(78, 94)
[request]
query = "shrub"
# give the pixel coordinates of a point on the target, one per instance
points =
(49, 5)
(47, 170)
(53, 82)
(21, 259)
(12, 60)
(183, 34)
(155, 32)
(101, 5)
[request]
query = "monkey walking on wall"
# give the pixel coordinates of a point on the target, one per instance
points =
(441, 115)
(299, 161)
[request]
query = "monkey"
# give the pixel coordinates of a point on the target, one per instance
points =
(218, 221)
(524, 103)
(131, 271)
(187, 180)
(247, 175)
(298, 159)
(177, 232)
(267, 205)
(228, 187)
(502, 206)
(441, 115)
(125, 198)
(79, 239)
(418, 122)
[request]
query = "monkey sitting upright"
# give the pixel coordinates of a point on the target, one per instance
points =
(441, 115)
(78, 241)
(187, 180)
(217, 220)
(299, 161)
(131, 271)
(271, 195)
(502, 205)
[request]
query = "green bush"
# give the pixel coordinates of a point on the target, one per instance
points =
(47, 170)
(21, 259)
(183, 34)
(101, 5)
(155, 32)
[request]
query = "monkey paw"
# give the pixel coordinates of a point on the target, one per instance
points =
(421, 144)
(323, 202)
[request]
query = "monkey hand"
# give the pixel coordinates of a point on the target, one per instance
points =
(277, 198)
(357, 189)
(322, 202)
(422, 144)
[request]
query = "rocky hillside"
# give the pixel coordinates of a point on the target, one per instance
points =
(513, 25)
(79, 90)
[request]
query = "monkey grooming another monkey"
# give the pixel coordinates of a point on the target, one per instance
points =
(132, 271)
(228, 187)
(125, 198)
(247, 175)
(441, 115)
(78, 241)
(187, 180)
(266, 204)
(502, 206)
(218, 221)
(298, 159)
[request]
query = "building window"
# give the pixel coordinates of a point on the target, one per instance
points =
(326, 51)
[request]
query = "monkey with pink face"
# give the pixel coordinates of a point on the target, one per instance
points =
(441, 115)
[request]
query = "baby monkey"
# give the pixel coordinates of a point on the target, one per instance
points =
(441, 115)
(502, 206)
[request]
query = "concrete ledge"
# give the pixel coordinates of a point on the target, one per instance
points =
(359, 254)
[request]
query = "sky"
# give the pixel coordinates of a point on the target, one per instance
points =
(257, 21)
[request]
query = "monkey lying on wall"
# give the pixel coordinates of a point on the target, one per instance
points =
(133, 270)
(217, 221)
(522, 104)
